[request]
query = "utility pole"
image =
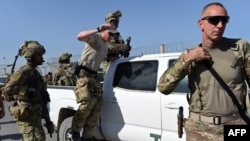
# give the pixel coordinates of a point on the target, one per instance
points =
(4, 66)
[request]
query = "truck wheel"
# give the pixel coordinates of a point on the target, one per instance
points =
(65, 130)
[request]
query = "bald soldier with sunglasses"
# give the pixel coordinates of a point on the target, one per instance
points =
(210, 105)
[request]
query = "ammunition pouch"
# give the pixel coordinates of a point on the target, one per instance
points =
(19, 112)
(50, 127)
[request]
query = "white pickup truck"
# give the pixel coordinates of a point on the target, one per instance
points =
(133, 108)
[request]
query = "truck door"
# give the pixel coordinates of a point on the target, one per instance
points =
(131, 107)
(170, 105)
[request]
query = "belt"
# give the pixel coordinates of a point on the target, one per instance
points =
(88, 70)
(217, 120)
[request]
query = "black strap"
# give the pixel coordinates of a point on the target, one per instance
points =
(88, 70)
(231, 94)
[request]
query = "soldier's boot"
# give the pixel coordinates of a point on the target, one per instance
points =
(76, 136)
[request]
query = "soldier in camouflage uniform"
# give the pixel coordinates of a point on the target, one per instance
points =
(25, 87)
(88, 89)
(2, 110)
(116, 46)
(210, 105)
(49, 78)
(64, 74)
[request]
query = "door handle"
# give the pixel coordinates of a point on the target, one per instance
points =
(172, 105)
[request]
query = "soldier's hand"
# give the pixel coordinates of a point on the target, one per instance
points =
(196, 55)
(50, 128)
(104, 26)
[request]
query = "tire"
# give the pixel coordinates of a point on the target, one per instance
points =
(65, 130)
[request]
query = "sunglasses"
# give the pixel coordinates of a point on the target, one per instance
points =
(114, 34)
(214, 20)
(111, 34)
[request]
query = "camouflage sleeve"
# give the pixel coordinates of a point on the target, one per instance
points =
(246, 49)
(173, 75)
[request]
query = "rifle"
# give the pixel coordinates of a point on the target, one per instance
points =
(126, 53)
(180, 122)
(45, 113)
(128, 43)
(10, 97)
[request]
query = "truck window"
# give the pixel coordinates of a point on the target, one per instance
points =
(141, 75)
(182, 87)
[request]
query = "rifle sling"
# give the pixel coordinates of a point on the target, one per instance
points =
(231, 94)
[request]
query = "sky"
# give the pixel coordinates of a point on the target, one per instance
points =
(55, 24)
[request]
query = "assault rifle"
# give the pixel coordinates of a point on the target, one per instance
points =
(126, 52)
(10, 97)
(45, 113)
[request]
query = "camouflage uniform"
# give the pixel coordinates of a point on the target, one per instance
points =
(26, 86)
(116, 47)
(208, 98)
(64, 74)
(88, 90)
(2, 110)
(48, 79)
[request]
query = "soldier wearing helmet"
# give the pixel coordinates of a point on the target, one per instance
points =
(48, 78)
(64, 74)
(116, 47)
(26, 87)
(114, 18)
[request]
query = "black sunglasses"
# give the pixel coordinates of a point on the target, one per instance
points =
(114, 34)
(214, 20)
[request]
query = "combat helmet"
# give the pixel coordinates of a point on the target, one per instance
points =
(30, 48)
(113, 16)
(63, 57)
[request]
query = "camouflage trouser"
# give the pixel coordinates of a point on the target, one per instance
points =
(31, 128)
(201, 131)
(89, 94)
